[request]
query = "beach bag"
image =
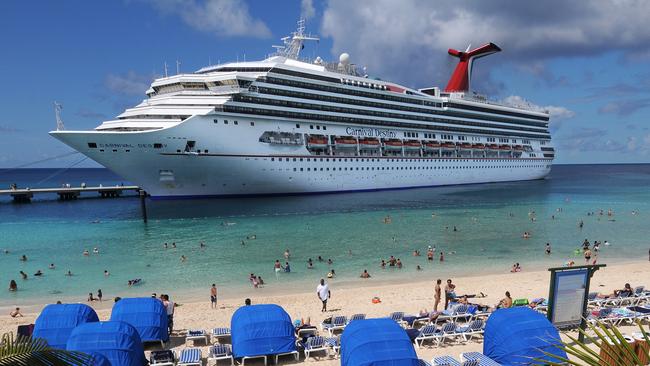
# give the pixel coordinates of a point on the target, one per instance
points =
(520, 302)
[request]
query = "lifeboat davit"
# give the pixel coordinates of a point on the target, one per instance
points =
(478, 147)
(465, 146)
(493, 147)
(448, 146)
(505, 147)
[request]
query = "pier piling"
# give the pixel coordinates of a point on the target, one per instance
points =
(143, 204)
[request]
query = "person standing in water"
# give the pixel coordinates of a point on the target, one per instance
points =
(548, 248)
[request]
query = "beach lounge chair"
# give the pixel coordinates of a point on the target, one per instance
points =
(294, 353)
(194, 334)
(594, 300)
(422, 362)
(221, 352)
(162, 358)
(243, 359)
(461, 312)
(482, 359)
(333, 343)
(398, 317)
(429, 331)
(190, 357)
(475, 327)
(315, 344)
(218, 333)
(306, 332)
(445, 361)
(448, 331)
(357, 317)
(338, 323)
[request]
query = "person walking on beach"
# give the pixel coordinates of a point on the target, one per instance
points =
(99, 295)
(323, 292)
(213, 296)
(436, 295)
(169, 305)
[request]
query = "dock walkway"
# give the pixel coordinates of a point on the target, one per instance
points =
(67, 193)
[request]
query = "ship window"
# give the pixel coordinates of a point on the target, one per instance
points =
(225, 121)
(311, 127)
(252, 123)
(92, 145)
(324, 127)
(215, 121)
(235, 122)
(317, 127)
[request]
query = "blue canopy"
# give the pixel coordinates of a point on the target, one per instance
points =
(57, 321)
(376, 342)
(513, 336)
(146, 314)
(118, 342)
(261, 330)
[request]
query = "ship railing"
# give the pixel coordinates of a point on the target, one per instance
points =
(483, 99)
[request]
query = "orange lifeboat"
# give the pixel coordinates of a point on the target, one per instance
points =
(519, 148)
(393, 144)
(317, 142)
(412, 145)
(369, 144)
(431, 145)
(505, 147)
(478, 147)
(493, 147)
(346, 142)
(448, 146)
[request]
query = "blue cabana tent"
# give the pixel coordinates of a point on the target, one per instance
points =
(146, 314)
(376, 342)
(118, 342)
(513, 336)
(57, 321)
(261, 330)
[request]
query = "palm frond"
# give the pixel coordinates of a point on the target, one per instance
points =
(24, 351)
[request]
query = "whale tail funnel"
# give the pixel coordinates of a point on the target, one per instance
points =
(460, 79)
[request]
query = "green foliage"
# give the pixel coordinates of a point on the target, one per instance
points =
(36, 352)
(597, 334)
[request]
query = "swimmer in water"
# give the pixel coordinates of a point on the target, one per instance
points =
(86, 253)
(329, 261)
(23, 275)
(68, 273)
(106, 273)
(183, 258)
(96, 250)
(165, 246)
(51, 266)
(174, 245)
(287, 254)
(23, 258)
(310, 264)
(418, 268)
(38, 273)
(202, 245)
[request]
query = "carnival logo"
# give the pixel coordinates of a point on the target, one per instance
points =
(370, 132)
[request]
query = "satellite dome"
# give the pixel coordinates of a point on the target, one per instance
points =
(344, 59)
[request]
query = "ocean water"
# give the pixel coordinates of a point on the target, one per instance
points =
(348, 228)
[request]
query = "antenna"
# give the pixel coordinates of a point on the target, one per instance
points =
(178, 67)
(57, 112)
(165, 66)
(294, 44)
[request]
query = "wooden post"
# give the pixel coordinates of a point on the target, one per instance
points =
(143, 204)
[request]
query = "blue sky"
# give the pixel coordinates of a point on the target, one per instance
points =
(586, 62)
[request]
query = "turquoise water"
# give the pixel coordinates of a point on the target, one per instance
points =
(490, 220)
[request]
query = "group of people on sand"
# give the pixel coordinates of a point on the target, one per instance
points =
(91, 298)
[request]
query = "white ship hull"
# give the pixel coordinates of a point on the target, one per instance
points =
(229, 160)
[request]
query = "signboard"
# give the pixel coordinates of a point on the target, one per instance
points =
(569, 291)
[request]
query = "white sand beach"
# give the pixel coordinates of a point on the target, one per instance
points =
(409, 297)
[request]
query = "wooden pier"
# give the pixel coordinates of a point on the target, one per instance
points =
(23, 195)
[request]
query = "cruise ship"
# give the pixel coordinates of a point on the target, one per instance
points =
(287, 125)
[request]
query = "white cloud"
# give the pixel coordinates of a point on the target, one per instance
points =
(556, 112)
(221, 17)
(407, 40)
(129, 84)
(307, 10)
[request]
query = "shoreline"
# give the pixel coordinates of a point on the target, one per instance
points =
(407, 296)
(299, 287)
